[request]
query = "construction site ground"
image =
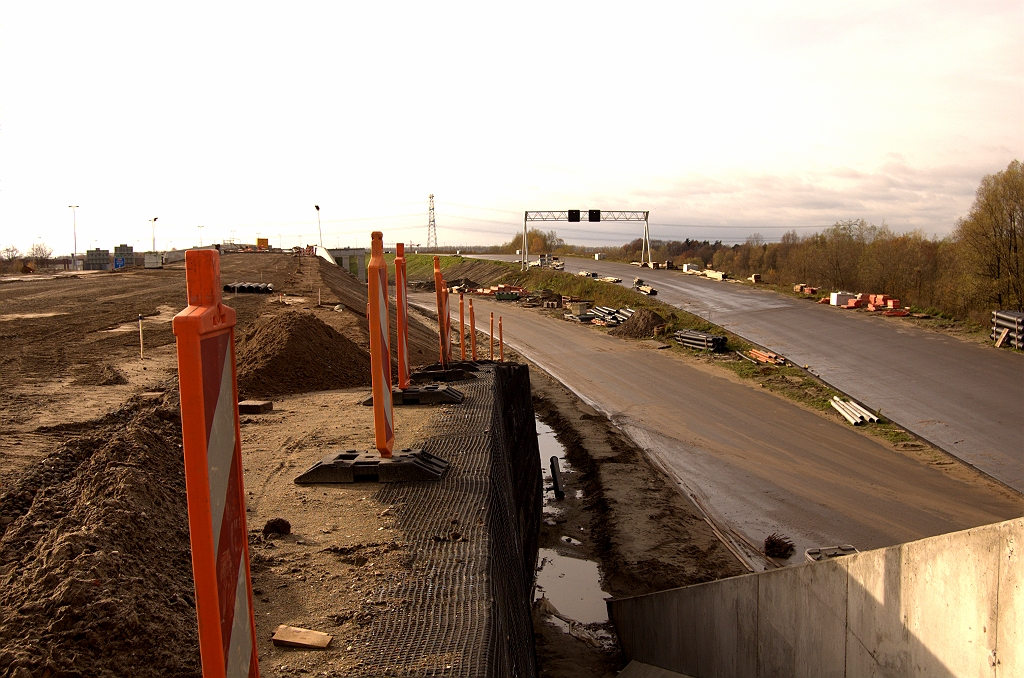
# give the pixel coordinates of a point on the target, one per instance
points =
(95, 576)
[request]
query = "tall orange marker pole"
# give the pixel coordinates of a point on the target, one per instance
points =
(205, 334)
(462, 326)
(402, 314)
(501, 343)
(380, 350)
(442, 312)
(490, 337)
(472, 331)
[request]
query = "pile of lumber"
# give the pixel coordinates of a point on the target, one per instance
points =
(492, 290)
(700, 340)
(852, 412)
(1008, 328)
(766, 357)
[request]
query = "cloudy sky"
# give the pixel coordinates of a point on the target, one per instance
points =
(722, 119)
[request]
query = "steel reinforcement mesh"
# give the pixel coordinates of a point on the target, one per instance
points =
(462, 606)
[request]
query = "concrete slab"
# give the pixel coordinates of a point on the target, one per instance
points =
(255, 406)
(801, 621)
(925, 608)
(1010, 631)
(637, 669)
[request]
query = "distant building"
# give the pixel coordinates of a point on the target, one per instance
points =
(124, 255)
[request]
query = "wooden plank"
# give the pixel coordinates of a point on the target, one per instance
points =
(1002, 338)
(293, 636)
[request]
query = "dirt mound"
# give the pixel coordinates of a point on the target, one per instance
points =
(482, 270)
(463, 282)
(296, 352)
(352, 293)
(96, 573)
(639, 326)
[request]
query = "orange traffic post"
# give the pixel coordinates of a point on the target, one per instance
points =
(501, 343)
(402, 315)
(442, 312)
(380, 350)
(205, 334)
(490, 337)
(472, 331)
(462, 326)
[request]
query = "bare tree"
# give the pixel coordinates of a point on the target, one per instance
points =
(40, 253)
(10, 253)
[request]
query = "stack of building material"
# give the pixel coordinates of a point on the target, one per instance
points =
(611, 317)
(852, 412)
(498, 289)
(766, 357)
(841, 298)
(701, 340)
(1012, 322)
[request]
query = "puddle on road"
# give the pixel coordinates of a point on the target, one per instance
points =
(572, 585)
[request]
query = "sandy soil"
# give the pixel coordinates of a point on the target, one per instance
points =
(90, 451)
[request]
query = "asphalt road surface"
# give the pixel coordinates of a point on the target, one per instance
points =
(756, 463)
(965, 398)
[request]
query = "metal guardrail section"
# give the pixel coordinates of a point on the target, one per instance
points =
(462, 606)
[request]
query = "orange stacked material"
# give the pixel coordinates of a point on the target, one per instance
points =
(893, 303)
(767, 357)
(853, 303)
(897, 313)
(810, 290)
(799, 288)
(823, 300)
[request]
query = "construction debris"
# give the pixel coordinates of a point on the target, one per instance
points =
(643, 288)
(293, 636)
(778, 546)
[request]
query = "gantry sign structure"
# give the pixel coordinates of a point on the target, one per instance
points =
(575, 216)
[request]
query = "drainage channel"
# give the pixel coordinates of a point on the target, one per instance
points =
(569, 582)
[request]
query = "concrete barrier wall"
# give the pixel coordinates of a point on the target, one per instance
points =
(951, 605)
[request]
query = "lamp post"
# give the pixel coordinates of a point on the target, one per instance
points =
(74, 232)
(153, 221)
(200, 236)
(318, 225)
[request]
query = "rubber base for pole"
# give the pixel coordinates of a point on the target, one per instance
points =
(441, 375)
(353, 466)
(423, 395)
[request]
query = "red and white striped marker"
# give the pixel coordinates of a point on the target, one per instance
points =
(205, 333)
(490, 337)
(442, 315)
(462, 326)
(472, 331)
(402, 317)
(380, 349)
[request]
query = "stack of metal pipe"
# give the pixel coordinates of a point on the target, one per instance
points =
(852, 412)
(701, 340)
(1013, 323)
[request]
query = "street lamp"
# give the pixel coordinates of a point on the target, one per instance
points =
(74, 231)
(153, 221)
(200, 236)
(318, 225)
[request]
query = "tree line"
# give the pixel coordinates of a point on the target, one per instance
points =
(977, 268)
